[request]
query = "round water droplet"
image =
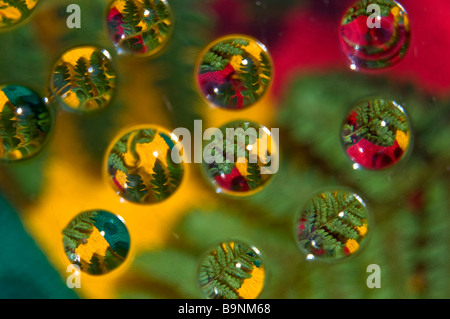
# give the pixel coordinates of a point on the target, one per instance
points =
(234, 72)
(25, 122)
(376, 134)
(83, 79)
(141, 166)
(232, 270)
(332, 225)
(97, 241)
(375, 34)
(240, 157)
(13, 13)
(138, 27)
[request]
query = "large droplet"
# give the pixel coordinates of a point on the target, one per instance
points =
(97, 241)
(234, 72)
(332, 225)
(25, 122)
(374, 34)
(240, 157)
(83, 79)
(232, 270)
(141, 167)
(14, 13)
(376, 134)
(138, 27)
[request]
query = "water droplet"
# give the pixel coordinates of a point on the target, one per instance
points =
(25, 122)
(332, 225)
(141, 166)
(240, 158)
(98, 241)
(140, 28)
(232, 270)
(374, 34)
(234, 72)
(83, 79)
(376, 133)
(13, 15)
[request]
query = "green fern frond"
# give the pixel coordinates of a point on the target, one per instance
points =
(121, 145)
(95, 267)
(98, 74)
(225, 269)
(213, 62)
(20, 5)
(115, 160)
(377, 121)
(254, 175)
(131, 18)
(136, 189)
(79, 229)
(27, 127)
(8, 130)
(160, 182)
(266, 68)
(250, 80)
(83, 88)
(332, 218)
(175, 171)
(61, 79)
(228, 47)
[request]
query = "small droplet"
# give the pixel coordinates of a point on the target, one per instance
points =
(332, 225)
(14, 13)
(140, 166)
(140, 28)
(374, 34)
(83, 79)
(25, 122)
(246, 164)
(376, 134)
(97, 241)
(232, 270)
(234, 72)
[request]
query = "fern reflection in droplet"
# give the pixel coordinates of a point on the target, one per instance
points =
(232, 270)
(140, 165)
(97, 241)
(376, 133)
(371, 41)
(234, 72)
(139, 27)
(247, 164)
(14, 13)
(25, 122)
(83, 79)
(332, 226)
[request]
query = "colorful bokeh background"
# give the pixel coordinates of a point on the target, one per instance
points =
(312, 91)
